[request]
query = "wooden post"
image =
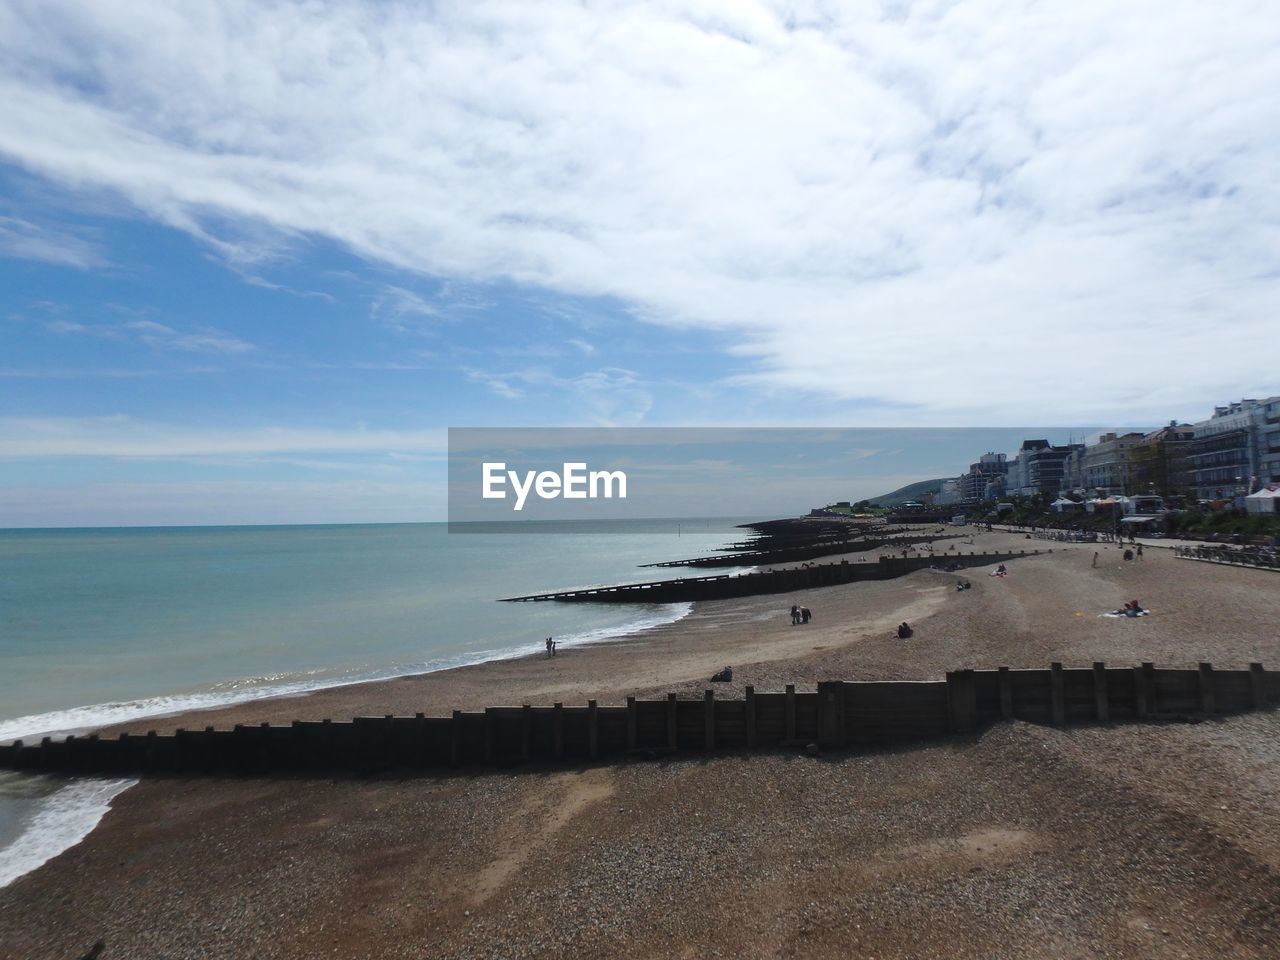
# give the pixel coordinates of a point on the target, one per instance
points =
(1101, 708)
(1057, 694)
(673, 738)
(593, 730)
(791, 712)
(1258, 686)
(1140, 706)
(831, 713)
(455, 734)
(1206, 688)
(1006, 692)
(557, 729)
(750, 709)
(488, 734)
(709, 718)
(632, 723)
(1145, 688)
(419, 739)
(961, 700)
(526, 731)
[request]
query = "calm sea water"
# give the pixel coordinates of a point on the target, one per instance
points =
(99, 626)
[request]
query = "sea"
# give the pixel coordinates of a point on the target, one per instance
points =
(100, 626)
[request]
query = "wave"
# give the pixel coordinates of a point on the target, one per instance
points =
(78, 720)
(62, 819)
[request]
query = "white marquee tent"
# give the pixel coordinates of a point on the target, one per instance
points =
(1266, 500)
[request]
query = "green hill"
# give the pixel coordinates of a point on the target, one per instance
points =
(912, 491)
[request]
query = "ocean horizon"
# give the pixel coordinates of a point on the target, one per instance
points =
(102, 625)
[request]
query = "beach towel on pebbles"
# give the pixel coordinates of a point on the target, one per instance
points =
(1118, 615)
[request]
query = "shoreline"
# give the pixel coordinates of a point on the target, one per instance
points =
(477, 863)
(211, 699)
(850, 638)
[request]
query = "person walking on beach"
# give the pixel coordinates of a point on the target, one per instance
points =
(551, 648)
(1095, 558)
(1139, 551)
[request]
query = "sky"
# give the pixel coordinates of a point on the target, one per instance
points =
(257, 257)
(758, 472)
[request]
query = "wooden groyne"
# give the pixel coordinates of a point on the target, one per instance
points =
(689, 589)
(840, 714)
(806, 551)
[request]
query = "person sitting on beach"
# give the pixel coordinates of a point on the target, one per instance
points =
(904, 630)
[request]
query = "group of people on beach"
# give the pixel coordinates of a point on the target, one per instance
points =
(551, 647)
(1131, 609)
(800, 615)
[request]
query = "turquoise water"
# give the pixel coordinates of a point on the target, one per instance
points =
(99, 626)
(104, 625)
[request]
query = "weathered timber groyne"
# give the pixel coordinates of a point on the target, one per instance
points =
(688, 589)
(840, 714)
(791, 554)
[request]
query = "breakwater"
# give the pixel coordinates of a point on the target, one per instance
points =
(839, 714)
(690, 589)
(794, 553)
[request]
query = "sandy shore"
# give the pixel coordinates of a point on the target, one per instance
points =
(1137, 841)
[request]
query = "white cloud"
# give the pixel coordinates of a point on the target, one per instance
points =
(609, 396)
(156, 335)
(126, 437)
(979, 209)
(24, 240)
(221, 502)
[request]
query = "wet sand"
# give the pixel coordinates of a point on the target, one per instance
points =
(1127, 841)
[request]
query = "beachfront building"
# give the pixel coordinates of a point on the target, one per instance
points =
(1105, 467)
(1014, 477)
(1268, 422)
(1236, 450)
(1161, 461)
(1039, 468)
(986, 478)
(948, 493)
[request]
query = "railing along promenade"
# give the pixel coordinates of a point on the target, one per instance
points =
(1263, 558)
(840, 714)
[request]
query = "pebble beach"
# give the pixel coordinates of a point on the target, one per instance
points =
(1154, 840)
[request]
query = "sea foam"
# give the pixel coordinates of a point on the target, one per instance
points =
(60, 821)
(78, 720)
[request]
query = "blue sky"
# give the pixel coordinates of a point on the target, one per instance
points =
(256, 258)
